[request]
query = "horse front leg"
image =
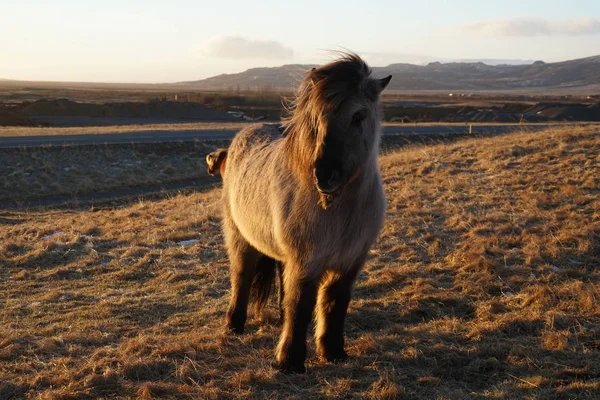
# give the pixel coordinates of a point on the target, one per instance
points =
(298, 305)
(332, 307)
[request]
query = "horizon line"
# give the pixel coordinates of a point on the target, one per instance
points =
(443, 61)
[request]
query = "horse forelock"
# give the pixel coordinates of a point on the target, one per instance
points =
(324, 89)
(321, 92)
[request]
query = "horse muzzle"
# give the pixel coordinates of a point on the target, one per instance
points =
(329, 183)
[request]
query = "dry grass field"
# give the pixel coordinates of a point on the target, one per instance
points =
(484, 283)
(47, 172)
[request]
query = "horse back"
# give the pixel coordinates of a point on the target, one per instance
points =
(251, 140)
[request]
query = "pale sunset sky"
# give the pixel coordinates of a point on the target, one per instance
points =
(179, 40)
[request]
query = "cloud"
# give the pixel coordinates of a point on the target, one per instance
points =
(531, 27)
(237, 47)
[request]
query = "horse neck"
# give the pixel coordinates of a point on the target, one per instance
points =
(369, 170)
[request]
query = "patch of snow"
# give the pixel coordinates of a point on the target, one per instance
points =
(187, 242)
(53, 235)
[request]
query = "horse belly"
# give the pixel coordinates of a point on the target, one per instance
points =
(253, 221)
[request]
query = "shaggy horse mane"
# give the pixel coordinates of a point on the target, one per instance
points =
(323, 89)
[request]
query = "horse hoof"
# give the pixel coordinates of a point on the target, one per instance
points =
(235, 323)
(236, 330)
(334, 357)
(288, 368)
(341, 357)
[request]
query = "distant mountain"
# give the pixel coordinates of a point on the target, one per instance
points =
(255, 78)
(493, 61)
(433, 76)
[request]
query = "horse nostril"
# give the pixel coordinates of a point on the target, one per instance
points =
(327, 179)
(334, 178)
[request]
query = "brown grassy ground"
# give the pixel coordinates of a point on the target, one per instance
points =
(483, 284)
(27, 174)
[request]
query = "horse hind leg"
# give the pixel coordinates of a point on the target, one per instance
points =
(281, 291)
(243, 260)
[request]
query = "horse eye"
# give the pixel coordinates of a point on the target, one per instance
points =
(359, 117)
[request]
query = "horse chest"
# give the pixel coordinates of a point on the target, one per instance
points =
(349, 235)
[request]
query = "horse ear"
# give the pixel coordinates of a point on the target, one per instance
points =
(311, 75)
(377, 85)
(384, 82)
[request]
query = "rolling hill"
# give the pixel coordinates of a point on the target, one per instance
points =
(580, 74)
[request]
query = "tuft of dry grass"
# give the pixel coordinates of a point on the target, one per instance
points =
(483, 283)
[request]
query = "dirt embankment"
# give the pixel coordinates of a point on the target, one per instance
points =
(512, 112)
(64, 112)
(8, 117)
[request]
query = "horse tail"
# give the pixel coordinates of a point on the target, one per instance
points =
(262, 284)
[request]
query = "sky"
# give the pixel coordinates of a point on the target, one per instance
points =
(179, 40)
